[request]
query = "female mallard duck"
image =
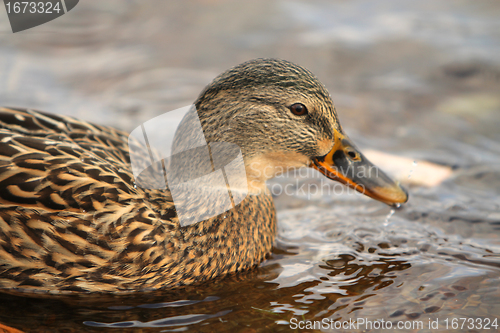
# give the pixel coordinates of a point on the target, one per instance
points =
(72, 220)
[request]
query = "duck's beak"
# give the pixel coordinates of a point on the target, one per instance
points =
(347, 165)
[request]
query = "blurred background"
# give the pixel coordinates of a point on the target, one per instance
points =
(418, 79)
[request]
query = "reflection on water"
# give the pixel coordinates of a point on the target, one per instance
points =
(351, 265)
(418, 79)
(340, 262)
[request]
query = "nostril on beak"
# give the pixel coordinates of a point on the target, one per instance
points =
(352, 154)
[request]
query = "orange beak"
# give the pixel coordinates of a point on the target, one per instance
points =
(347, 165)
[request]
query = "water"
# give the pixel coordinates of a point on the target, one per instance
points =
(419, 80)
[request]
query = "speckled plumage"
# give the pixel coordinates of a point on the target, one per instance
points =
(71, 219)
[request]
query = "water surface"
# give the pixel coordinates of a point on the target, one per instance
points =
(419, 80)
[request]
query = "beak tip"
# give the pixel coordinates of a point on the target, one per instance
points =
(406, 194)
(403, 197)
(395, 196)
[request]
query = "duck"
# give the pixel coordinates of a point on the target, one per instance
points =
(73, 220)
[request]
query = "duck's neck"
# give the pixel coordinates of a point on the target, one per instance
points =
(265, 166)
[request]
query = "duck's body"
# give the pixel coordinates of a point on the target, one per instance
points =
(73, 220)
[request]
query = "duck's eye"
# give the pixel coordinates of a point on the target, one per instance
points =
(298, 109)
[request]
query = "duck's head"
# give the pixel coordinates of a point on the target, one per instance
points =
(282, 117)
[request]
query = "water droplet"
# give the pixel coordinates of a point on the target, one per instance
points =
(413, 166)
(386, 223)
